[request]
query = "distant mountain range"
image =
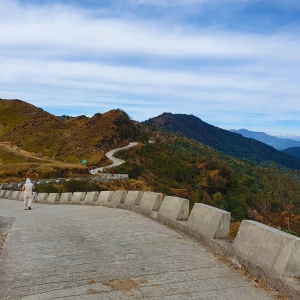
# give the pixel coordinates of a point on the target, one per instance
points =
(228, 142)
(277, 143)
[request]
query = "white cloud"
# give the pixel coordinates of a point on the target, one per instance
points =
(64, 54)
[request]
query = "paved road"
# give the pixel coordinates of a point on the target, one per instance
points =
(84, 252)
(115, 161)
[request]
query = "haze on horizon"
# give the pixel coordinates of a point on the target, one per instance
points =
(232, 63)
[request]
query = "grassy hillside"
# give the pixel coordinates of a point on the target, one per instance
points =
(71, 140)
(17, 164)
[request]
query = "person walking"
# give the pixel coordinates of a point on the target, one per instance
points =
(28, 189)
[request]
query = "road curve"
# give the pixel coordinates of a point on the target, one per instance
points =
(116, 161)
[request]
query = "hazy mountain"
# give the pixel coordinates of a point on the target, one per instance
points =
(277, 143)
(284, 136)
(230, 143)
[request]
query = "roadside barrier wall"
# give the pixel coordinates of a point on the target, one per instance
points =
(269, 248)
(78, 198)
(21, 196)
(174, 208)
(53, 198)
(8, 194)
(98, 176)
(15, 195)
(265, 252)
(150, 202)
(42, 198)
(105, 197)
(118, 198)
(65, 198)
(2, 193)
(91, 198)
(133, 199)
(209, 221)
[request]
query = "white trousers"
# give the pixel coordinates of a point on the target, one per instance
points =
(28, 200)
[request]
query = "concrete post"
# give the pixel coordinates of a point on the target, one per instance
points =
(41, 198)
(268, 248)
(105, 197)
(53, 198)
(91, 198)
(133, 199)
(150, 203)
(174, 208)
(209, 221)
(118, 198)
(65, 198)
(78, 198)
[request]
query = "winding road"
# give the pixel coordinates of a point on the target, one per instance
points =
(116, 161)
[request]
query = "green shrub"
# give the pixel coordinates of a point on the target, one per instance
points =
(47, 188)
(73, 186)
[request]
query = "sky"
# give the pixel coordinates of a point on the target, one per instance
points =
(232, 63)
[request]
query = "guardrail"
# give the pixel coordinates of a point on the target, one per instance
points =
(98, 178)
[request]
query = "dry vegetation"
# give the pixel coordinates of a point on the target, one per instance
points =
(37, 144)
(46, 136)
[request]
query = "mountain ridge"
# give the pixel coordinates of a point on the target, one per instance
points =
(277, 143)
(229, 143)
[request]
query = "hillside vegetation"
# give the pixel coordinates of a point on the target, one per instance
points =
(294, 151)
(230, 143)
(71, 140)
(175, 165)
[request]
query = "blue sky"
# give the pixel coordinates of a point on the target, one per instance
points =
(232, 63)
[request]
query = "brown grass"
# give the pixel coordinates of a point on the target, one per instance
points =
(20, 171)
(46, 136)
(234, 228)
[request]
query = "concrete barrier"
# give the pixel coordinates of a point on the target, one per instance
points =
(40, 182)
(78, 198)
(105, 197)
(133, 199)
(53, 198)
(2, 193)
(15, 195)
(65, 198)
(209, 221)
(268, 248)
(150, 202)
(91, 198)
(118, 198)
(41, 197)
(8, 194)
(21, 196)
(60, 180)
(34, 196)
(174, 208)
